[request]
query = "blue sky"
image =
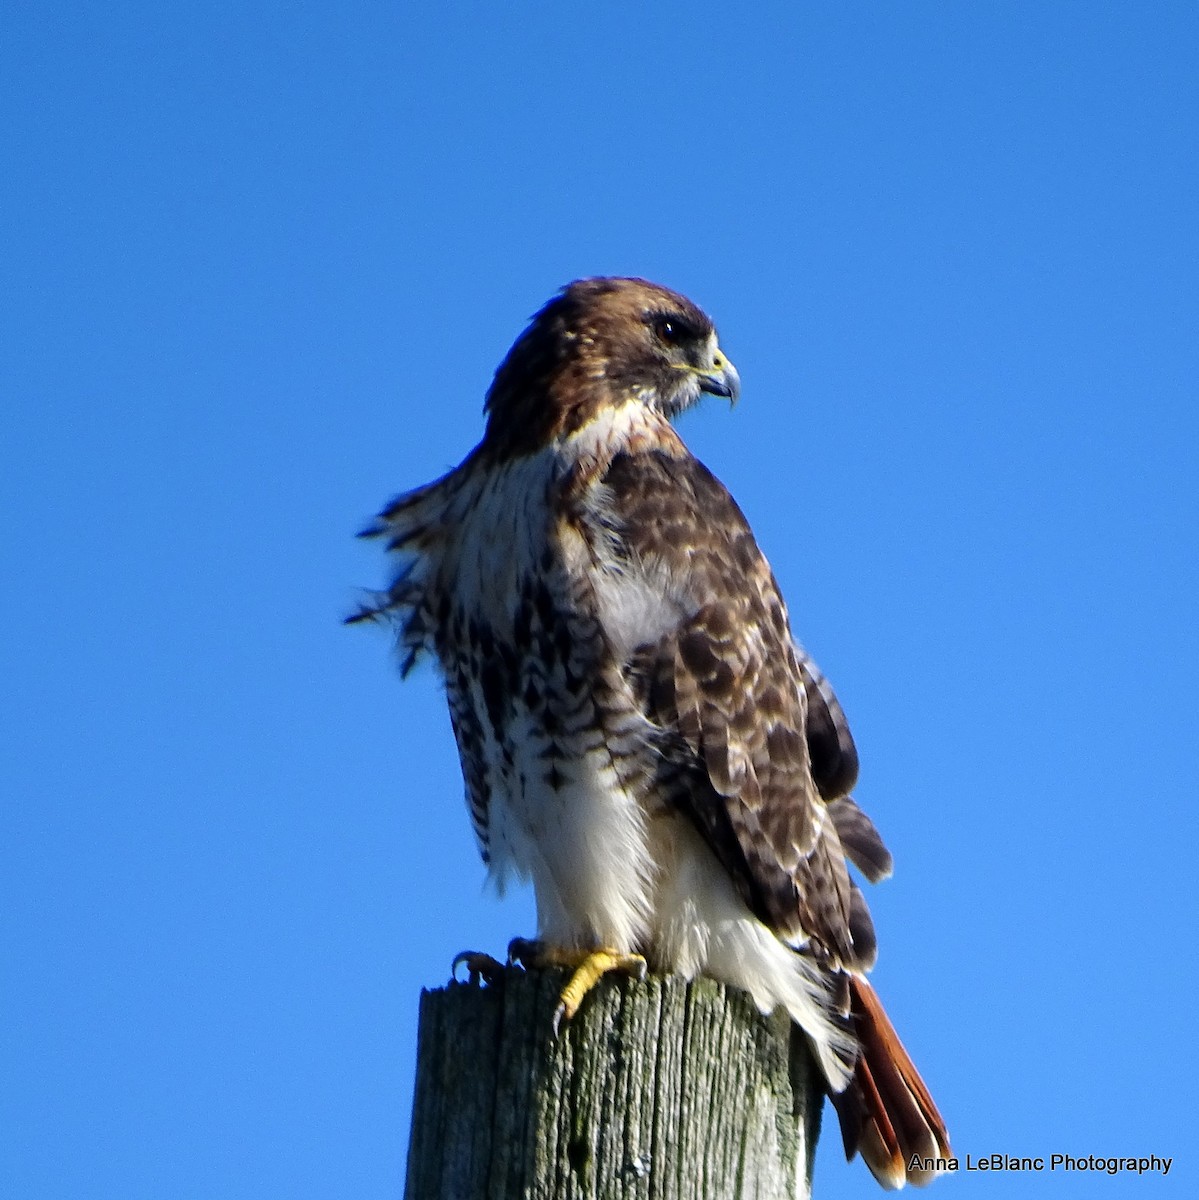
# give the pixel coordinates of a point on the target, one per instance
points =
(260, 262)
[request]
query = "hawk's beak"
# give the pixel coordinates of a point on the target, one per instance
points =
(721, 379)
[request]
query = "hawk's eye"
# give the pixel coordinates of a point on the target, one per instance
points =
(670, 330)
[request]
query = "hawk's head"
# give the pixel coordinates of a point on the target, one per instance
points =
(604, 343)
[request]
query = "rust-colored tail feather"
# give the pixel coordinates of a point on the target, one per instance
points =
(886, 1112)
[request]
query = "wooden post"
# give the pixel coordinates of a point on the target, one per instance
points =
(662, 1090)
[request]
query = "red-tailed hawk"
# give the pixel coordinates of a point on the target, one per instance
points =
(640, 734)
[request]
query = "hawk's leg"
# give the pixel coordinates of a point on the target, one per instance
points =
(587, 968)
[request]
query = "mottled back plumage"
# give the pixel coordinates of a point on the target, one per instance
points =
(640, 734)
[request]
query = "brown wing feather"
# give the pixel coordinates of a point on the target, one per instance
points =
(730, 692)
(859, 839)
(830, 744)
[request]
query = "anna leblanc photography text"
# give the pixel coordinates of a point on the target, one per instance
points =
(1113, 1165)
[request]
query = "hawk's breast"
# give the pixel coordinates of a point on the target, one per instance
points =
(554, 750)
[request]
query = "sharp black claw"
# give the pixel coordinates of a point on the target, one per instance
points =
(480, 968)
(522, 951)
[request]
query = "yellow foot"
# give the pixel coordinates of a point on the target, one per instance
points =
(588, 967)
(478, 966)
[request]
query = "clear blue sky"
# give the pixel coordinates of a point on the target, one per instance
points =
(259, 264)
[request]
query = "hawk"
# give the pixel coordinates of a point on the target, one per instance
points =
(640, 734)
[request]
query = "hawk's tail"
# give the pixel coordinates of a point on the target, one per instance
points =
(886, 1112)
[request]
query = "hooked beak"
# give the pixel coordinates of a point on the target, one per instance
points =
(721, 379)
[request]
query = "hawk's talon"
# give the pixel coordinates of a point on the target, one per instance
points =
(589, 968)
(556, 1023)
(479, 967)
(529, 952)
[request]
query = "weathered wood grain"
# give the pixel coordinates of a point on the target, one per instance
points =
(661, 1090)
